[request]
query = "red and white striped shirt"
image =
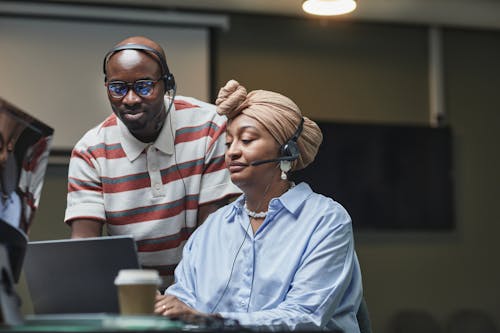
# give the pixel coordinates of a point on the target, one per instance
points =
(151, 191)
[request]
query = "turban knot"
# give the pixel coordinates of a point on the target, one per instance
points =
(275, 112)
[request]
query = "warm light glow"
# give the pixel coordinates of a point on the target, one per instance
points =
(328, 7)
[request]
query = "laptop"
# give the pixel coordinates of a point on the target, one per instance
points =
(76, 276)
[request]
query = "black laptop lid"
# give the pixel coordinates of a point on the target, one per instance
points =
(77, 275)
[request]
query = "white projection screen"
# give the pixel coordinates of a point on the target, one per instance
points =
(52, 69)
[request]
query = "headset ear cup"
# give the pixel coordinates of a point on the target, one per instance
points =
(284, 150)
(169, 82)
(290, 149)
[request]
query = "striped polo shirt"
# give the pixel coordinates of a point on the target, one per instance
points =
(151, 190)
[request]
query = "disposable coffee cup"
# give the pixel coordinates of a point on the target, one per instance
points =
(137, 291)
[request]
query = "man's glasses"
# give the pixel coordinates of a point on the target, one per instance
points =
(143, 88)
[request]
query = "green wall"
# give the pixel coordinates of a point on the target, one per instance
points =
(378, 73)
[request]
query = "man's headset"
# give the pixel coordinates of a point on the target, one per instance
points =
(289, 151)
(168, 78)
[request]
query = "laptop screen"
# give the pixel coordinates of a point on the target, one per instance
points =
(77, 275)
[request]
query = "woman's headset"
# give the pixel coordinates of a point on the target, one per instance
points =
(290, 149)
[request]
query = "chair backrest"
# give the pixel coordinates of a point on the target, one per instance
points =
(471, 321)
(414, 321)
(363, 317)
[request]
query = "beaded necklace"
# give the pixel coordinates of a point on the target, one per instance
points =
(260, 215)
(253, 214)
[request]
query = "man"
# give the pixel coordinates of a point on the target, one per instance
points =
(155, 167)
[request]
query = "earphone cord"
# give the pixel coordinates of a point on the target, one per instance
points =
(175, 155)
(239, 249)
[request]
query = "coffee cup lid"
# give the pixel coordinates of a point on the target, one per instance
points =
(138, 276)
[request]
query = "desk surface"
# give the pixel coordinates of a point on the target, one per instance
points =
(95, 323)
(117, 323)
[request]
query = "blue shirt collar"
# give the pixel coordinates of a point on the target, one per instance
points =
(291, 200)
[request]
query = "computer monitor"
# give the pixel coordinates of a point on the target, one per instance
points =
(24, 150)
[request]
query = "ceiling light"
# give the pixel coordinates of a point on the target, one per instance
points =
(328, 7)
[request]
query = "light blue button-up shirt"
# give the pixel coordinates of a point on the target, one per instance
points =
(298, 271)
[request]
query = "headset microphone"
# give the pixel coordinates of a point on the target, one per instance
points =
(279, 159)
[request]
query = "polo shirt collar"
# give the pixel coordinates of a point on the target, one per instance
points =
(164, 143)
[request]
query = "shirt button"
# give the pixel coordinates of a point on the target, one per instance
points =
(154, 168)
(157, 187)
(242, 303)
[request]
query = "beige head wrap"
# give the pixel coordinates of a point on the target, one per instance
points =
(277, 113)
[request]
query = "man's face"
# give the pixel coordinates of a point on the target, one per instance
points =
(141, 114)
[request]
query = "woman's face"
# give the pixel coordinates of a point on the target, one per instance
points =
(248, 141)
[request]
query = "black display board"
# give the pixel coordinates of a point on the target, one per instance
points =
(388, 177)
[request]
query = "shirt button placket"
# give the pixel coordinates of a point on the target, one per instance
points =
(247, 270)
(154, 172)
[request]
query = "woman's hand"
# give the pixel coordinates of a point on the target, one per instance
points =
(170, 306)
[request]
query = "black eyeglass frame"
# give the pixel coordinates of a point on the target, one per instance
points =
(132, 85)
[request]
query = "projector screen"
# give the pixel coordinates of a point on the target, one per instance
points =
(53, 68)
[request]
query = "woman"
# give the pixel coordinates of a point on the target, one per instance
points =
(280, 257)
